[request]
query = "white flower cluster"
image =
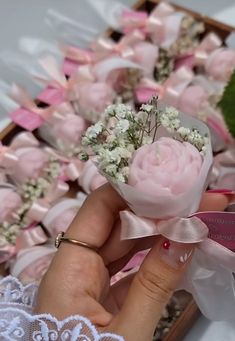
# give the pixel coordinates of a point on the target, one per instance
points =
(170, 119)
(70, 151)
(8, 233)
(122, 131)
(194, 137)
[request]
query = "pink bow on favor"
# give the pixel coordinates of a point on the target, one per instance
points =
(8, 158)
(75, 57)
(223, 171)
(170, 91)
(105, 47)
(210, 43)
(192, 230)
(163, 24)
(31, 236)
(29, 116)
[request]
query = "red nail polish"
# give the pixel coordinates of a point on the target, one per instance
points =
(166, 244)
(220, 191)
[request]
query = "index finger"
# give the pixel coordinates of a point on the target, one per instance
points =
(96, 217)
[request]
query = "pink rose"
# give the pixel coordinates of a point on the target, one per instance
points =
(36, 270)
(69, 130)
(193, 100)
(94, 97)
(167, 167)
(146, 55)
(10, 202)
(31, 264)
(220, 64)
(31, 162)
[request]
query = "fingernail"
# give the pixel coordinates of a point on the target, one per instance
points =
(175, 254)
(220, 191)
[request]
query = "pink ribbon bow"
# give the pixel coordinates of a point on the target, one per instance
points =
(105, 47)
(170, 91)
(162, 24)
(210, 43)
(223, 171)
(194, 229)
(60, 89)
(29, 116)
(8, 158)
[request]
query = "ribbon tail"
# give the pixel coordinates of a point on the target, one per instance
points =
(218, 252)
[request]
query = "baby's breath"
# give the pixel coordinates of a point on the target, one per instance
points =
(122, 131)
(30, 191)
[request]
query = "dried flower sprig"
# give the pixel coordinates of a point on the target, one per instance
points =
(122, 131)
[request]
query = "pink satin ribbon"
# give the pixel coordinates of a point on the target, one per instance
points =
(38, 210)
(81, 56)
(105, 47)
(209, 44)
(185, 230)
(224, 166)
(7, 153)
(132, 20)
(21, 97)
(31, 237)
(170, 91)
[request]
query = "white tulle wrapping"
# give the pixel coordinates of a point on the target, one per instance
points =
(18, 322)
(212, 286)
(71, 31)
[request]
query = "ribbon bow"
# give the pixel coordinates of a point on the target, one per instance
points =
(8, 157)
(209, 44)
(105, 47)
(223, 171)
(20, 96)
(162, 24)
(194, 229)
(170, 91)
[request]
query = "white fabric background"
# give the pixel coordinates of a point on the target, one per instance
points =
(25, 17)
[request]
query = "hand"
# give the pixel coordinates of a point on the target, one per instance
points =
(78, 280)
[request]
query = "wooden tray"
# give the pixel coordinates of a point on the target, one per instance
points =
(190, 311)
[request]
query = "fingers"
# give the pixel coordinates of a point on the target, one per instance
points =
(151, 289)
(116, 252)
(95, 219)
(213, 202)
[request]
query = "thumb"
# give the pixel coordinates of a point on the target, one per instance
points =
(151, 289)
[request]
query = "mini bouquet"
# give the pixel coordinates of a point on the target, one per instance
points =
(27, 163)
(159, 160)
(63, 130)
(17, 221)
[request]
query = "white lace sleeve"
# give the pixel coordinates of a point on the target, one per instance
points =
(17, 321)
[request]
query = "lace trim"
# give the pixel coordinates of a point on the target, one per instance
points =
(17, 321)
